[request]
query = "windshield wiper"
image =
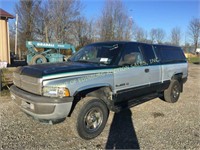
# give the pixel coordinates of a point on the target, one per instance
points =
(99, 63)
(91, 62)
(83, 61)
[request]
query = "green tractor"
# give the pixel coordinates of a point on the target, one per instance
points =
(40, 52)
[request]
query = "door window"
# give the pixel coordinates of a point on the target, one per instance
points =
(131, 56)
(149, 54)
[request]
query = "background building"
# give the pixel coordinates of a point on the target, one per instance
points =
(4, 36)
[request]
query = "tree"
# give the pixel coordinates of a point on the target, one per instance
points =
(48, 21)
(157, 35)
(194, 31)
(114, 22)
(176, 36)
(44, 23)
(140, 35)
(83, 31)
(62, 16)
(152, 35)
(160, 35)
(27, 12)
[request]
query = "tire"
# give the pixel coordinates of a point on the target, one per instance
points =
(89, 118)
(37, 58)
(172, 94)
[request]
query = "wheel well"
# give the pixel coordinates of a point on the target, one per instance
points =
(178, 77)
(103, 93)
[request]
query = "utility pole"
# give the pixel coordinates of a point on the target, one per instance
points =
(16, 26)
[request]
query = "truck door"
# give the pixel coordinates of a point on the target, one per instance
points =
(130, 79)
(153, 68)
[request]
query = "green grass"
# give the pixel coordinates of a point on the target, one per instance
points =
(194, 59)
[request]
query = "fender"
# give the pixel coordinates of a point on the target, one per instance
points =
(92, 86)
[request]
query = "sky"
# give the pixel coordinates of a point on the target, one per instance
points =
(147, 14)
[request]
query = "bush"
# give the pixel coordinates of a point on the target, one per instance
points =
(194, 59)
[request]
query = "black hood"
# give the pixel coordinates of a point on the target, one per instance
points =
(41, 70)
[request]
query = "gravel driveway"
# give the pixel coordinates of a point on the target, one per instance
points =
(151, 125)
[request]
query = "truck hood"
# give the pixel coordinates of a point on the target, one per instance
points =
(41, 70)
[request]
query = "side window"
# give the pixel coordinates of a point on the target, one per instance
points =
(170, 54)
(132, 56)
(149, 54)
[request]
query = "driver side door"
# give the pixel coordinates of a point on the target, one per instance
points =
(131, 78)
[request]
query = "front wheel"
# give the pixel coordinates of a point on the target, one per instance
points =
(172, 94)
(38, 59)
(89, 118)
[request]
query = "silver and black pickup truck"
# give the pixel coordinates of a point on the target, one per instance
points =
(100, 77)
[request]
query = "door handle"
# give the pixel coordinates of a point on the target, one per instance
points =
(146, 70)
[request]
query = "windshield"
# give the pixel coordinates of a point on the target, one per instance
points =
(101, 53)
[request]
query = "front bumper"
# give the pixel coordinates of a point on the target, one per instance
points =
(41, 107)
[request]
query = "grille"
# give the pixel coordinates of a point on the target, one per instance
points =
(27, 83)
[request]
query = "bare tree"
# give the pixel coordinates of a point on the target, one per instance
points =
(83, 31)
(140, 35)
(194, 31)
(62, 16)
(160, 35)
(152, 35)
(27, 12)
(176, 36)
(114, 22)
(157, 35)
(44, 23)
(49, 21)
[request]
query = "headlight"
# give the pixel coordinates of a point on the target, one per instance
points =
(55, 91)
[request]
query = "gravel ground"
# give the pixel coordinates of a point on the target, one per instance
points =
(151, 125)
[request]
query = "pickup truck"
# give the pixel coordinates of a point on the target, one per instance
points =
(100, 77)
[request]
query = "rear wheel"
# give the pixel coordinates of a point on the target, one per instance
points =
(172, 94)
(89, 118)
(38, 59)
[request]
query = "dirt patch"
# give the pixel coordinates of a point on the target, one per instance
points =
(157, 114)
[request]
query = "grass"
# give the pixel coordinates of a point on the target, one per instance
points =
(6, 79)
(7, 74)
(8, 70)
(194, 59)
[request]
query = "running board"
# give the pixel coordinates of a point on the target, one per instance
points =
(117, 107)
